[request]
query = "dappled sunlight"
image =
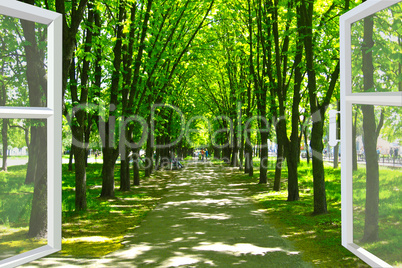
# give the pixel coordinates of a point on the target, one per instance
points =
(237, 249)
(182, 259)
(203, 220)
(133, 251)
(202, 202)
(88, 239)
(207, 216)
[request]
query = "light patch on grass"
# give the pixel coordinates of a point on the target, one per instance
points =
(101, 229)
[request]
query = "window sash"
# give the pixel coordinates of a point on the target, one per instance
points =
(347, 100)
(53, 114)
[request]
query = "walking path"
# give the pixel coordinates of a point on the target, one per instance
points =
(203, 221)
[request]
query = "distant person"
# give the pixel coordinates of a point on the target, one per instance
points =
(395, 154)
(202, 154)
(206, 154)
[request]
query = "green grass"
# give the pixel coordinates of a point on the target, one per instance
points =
(389, 243)
(94, 233)
(15, 209)
(101, 229)
(318, 237)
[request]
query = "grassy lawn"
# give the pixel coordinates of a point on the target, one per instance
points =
(318, 237)
(101, 229)
(389, 245)
(15, 209)
(92, 234)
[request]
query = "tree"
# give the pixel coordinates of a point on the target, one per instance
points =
(79, 122)
(318, 108)
(37, 164)
(371, 132)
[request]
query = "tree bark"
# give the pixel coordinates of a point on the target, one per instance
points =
(370, 132)
(136, 168)
(292, 146)
(149, 152)
(280, 154)
(317, 109)
(336, 148)
(354, 149)
(4, 129)
(107, 130)
(4, 138)
(70, 159)
(306, 145)
(37, 163)
(125, 172)
(38, 218)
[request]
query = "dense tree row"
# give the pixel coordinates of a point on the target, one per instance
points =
(150, 74)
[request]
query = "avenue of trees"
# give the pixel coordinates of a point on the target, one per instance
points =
(138, 74)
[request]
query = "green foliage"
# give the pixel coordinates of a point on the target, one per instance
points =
(386, 51)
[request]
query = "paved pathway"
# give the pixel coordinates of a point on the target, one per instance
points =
(203, 221)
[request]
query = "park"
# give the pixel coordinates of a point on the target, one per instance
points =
(199, 133)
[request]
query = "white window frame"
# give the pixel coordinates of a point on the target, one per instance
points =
(347, 100)
(53, 115)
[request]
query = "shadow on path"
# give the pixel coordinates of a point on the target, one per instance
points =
(203, 221)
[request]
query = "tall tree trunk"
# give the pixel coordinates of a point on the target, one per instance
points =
(70, 159)
(280, 154)
(371, 133)
(149, 152)
(37, 163)
(124, 159)
(235, 152)
(110, 153)
(372, 175)
(109, 161)
(354, 149)
(241, 153)
(125, 171)
(292, 146)
(80, 174)
(306, 145)
(264, 157)
(80, 119)
(136, 168)
(3, 100)
(336, 148)
(4, 138)
(320, 200)
(38, 218)
(317, 110)
(249, 160)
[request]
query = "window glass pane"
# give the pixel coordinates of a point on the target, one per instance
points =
(23, 186)
(377, 181)
(379, 46)
(23, 63)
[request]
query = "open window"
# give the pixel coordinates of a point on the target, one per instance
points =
(31, 125)
(371, 131)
